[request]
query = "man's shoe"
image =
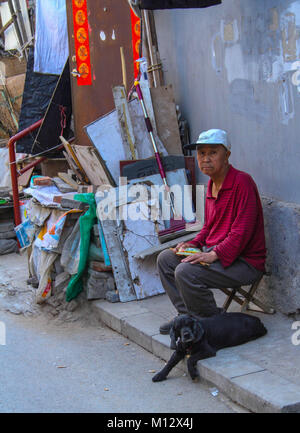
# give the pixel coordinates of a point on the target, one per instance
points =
(166, 327)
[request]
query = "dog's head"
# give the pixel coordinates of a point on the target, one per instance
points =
(187, 329)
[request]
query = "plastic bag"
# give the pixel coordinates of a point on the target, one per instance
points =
(36, 213)
(70, 254)
(25, 233)
(45, 283)
(86, 223)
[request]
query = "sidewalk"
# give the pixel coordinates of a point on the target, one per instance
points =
(262, 375)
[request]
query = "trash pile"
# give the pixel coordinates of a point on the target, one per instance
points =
(95, 206)
(8, 242)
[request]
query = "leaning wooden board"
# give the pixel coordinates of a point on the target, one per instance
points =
(91, 164)
(166, 118)
(120, 269)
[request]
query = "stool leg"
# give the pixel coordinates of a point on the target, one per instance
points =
(265, 309)
(229, 299)
(249, 297)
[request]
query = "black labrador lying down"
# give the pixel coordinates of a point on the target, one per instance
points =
(200, 339)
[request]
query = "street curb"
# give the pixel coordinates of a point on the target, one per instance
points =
(243, 381)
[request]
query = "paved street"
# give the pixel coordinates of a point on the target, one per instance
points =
(46, 367)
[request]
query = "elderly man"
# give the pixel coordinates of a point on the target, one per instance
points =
(232, 240)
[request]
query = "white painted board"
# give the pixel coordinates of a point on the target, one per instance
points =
(105, 134)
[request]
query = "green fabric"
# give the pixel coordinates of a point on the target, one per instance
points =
(86, 223)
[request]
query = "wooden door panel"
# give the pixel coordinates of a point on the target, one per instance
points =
(109, 29)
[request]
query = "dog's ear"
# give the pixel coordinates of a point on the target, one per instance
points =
(173, 338)
(198, 330)
(174, 334)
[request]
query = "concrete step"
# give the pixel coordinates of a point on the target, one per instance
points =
(242, 380)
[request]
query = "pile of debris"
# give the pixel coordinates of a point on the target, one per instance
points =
(97, 211)
(8, 242)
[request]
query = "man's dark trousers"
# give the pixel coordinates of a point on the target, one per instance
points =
(188, 285)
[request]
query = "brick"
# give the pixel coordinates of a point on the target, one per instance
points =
(42, 181)
(73, 204)
(100, 267)
(57, 199)
(98, 275)
(96, 291)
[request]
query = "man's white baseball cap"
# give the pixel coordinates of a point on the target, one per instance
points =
(212, 136)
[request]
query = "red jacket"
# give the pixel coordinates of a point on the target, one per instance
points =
(234, 221)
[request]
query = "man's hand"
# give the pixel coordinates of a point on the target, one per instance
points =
(182, 246)
(201, 258)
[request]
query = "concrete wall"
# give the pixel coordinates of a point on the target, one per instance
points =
(234, 66)
(281, 286)
(237, 67)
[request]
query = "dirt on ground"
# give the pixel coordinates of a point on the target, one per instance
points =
(18, 297)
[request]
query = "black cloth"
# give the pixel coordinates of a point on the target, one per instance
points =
(37, 94)
(177, 4)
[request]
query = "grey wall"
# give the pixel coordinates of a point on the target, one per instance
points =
(233, 67)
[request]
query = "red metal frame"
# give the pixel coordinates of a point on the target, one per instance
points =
(13, 167)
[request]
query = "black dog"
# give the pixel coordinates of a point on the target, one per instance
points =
(200, 339)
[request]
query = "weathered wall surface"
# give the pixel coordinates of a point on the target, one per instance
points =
(236, 66)
(281, 286)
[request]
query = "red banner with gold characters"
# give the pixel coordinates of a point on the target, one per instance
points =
(82, 42)
(136, 40)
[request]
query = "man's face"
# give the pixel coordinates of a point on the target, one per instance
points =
(212, 159)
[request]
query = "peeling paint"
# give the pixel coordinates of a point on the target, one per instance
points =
(217, 54)
(102, 35)
(229, 31)
(286, 100)
(113, 36)
(290, 34)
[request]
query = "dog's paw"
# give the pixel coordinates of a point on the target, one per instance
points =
(196, 379)
(158, 378)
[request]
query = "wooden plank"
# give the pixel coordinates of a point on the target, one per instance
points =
(144, 85)
(73, 156)
(143, 142)
(63, 186)
(153, 56)
(166, 118)
(68, 179)
(24, 179)
(89, 160)
(73, 166)
(125, 124)
(118, 261)
(158, 248)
